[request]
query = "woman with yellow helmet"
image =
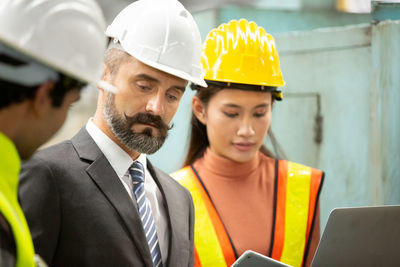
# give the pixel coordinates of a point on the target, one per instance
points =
(244, 198)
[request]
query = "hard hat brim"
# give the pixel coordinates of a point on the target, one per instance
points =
(167, 69)
(46, 62)
(277, 94)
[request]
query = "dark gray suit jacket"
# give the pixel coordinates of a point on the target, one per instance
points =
(80, 214)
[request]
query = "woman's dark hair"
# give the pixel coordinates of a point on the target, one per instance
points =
(198, 132)
(198, 142)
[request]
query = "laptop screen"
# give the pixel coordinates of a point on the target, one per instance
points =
(363, 236)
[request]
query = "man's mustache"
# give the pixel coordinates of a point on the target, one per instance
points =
(147, 118)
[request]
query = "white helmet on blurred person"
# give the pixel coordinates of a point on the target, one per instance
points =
(63, 35)
(161, 34)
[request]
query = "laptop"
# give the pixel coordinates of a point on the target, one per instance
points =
(362, 236)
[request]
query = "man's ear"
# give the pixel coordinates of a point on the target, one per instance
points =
(106, 73)
(105, 83)
(199, 110)
(42, 100)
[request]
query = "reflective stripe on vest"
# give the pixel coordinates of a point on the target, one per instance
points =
(297, 190)
(20, 231)
(9, 206)
(296, 194)
(214, 248)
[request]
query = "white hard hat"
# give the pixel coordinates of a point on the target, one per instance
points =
(65, 35)
(161, 34)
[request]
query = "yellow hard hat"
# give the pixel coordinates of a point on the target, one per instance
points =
(240, 52)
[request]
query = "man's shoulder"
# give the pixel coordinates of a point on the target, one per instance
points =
(55, 152)
(57, 161)
(68, 149)
(46, 160)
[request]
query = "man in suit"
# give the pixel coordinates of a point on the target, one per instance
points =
(82, 197)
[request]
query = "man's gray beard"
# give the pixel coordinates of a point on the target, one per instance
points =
(143, 142)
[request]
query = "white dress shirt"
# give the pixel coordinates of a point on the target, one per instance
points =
(121, 161)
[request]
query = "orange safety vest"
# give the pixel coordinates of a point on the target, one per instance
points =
(297, 188)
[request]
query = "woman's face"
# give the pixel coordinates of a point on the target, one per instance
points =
(236, 121)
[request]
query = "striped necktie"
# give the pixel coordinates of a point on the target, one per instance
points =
(137, 175)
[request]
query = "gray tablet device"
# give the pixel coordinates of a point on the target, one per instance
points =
(253, 259)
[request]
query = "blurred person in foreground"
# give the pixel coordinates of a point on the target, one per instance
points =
(96, 200)
(245, 198)
(49, 50)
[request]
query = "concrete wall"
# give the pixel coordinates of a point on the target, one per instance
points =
(385, 114)
(333, 64)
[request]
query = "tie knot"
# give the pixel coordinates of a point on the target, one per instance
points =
(137, 172)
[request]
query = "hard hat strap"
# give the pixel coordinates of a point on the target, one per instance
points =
(114, 43)
(241, 86)
(277, 94)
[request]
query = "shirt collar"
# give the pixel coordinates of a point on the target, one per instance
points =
(118, 158)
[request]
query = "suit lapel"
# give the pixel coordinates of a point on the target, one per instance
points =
(175, 218)
(110, 185)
